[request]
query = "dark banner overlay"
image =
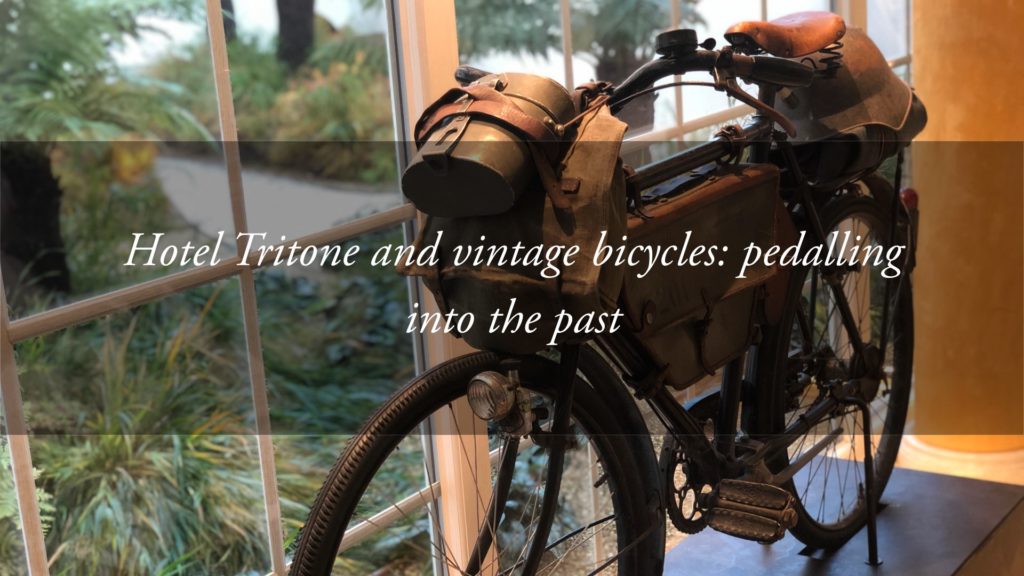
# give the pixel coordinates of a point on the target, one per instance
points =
(83, 219)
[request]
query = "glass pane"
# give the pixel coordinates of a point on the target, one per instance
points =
(12, 549)
(887, 26)
(335, 348)
(716, 17)
(109, 127)
(514, 36)
(779, 8)
(611, 39)
(142, 433)
(312, 98)
(711, 20)
(903, 71)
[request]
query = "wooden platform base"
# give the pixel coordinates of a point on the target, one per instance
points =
(932, 525)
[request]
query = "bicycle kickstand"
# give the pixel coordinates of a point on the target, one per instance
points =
(869, 482)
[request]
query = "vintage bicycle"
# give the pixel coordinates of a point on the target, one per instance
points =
(814, 362)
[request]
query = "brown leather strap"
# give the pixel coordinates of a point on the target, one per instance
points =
(485, 102)
(549, 180)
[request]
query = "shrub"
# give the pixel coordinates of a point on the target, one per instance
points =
(331, 117)
(337, 114)
(158, 467)
(11, 552)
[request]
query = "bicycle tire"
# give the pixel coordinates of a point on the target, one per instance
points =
(774, 363)
(635, 522)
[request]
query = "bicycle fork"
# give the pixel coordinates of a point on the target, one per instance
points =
(556, 442)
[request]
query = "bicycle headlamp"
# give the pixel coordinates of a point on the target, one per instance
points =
(491, 396)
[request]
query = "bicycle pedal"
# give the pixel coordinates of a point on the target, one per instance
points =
(752, 511)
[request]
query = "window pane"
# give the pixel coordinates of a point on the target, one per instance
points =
(312, 98)
(779, 8)
(335, 348)
(887, 26)
(143, 435)
(711, 19)
(611, 39)
(514, 36)
(108, 111)
(12, 550)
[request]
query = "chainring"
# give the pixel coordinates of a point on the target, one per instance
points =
(684, 508)
(684, 492)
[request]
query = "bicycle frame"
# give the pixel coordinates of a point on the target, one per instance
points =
(716, 458)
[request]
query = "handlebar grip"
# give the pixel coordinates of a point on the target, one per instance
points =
(780, 72)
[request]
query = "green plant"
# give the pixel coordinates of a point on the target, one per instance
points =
(11, 554)
(334, 349)
(328, 117)
(158, 471)
(100, 211)
(58, 89)
(331, 122)
(142, 421)
(617, 34)
(62, 83)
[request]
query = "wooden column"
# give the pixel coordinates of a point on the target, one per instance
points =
(460, 452)
(969, 172)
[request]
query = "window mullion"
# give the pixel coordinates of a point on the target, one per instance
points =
(566, 20)
(21, 454)
(854, 12)
(254, 346)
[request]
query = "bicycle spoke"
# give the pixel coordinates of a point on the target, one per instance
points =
(827, 490)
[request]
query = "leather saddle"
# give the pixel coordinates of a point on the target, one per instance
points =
(791, 36)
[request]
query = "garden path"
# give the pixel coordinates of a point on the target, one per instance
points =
(276, 203)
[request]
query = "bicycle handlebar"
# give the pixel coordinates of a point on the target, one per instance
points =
(757, 69)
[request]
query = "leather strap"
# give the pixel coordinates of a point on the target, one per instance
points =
(486, 102)
(551, 182)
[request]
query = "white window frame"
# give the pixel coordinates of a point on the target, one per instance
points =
(424, 51)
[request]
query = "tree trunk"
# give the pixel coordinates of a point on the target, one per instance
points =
(294, 31)
(30, 216)
(227, 7)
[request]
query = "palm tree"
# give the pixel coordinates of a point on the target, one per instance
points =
(617, 35)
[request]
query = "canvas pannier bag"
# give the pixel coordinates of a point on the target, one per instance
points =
(693, 319)
(591, 198)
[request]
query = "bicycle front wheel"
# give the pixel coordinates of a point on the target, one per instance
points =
(381, 510)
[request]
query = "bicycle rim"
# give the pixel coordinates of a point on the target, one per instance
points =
(830, 488)
(395, 518)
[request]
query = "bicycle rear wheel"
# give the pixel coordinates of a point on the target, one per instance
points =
(378, 510)
(810, 350)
